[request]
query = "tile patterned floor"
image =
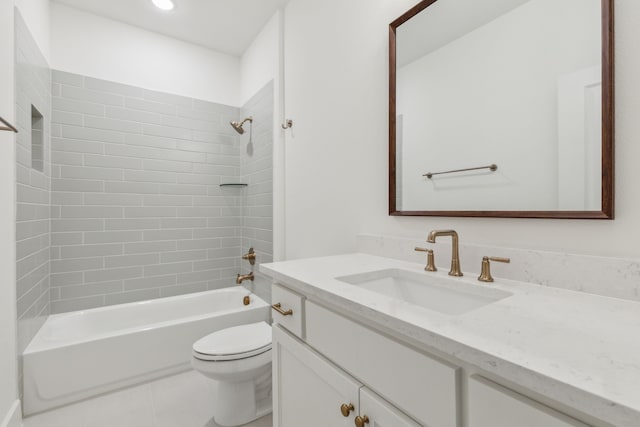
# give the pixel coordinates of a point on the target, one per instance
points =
(183, 400)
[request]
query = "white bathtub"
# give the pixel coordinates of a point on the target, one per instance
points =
(82, 354)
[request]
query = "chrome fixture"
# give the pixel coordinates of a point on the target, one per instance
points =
(250, 256)
(492, 168)
(431, 264)
(485, 272)
(242, 277)
(238, 125)
(455, 255)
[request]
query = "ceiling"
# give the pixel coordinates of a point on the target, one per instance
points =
(227, 26)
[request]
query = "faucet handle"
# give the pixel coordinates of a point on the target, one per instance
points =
(431, 264)
(485, 271)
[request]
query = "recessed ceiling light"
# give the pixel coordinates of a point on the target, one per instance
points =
(163, 4)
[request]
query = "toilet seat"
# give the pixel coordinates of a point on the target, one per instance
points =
(236, 343)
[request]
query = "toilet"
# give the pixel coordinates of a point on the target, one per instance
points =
(239, 360)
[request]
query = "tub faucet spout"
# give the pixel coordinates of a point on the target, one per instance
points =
(242, 277)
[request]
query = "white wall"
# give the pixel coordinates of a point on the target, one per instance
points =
(259, 63)
(8, 357)
(93, 46)
(449, 97)
(337, 164)
(37, 16)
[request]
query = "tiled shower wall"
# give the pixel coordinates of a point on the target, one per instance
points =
(33, 89)
(137, 210)
(257, 171)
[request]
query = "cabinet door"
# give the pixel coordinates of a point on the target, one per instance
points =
(307, 389)
(380, 413)
(491, 405)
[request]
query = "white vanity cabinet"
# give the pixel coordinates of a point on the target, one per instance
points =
(323, 360)
(310, 391)
(491, 405)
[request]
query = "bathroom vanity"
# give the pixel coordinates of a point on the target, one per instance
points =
(371, 341)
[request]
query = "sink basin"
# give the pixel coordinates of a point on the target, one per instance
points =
(445, 295)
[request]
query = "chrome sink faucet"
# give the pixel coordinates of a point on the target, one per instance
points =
(455, 254)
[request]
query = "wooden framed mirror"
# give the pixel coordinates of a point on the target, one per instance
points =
(502, 108)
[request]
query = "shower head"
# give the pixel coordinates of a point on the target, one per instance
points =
(238, 125)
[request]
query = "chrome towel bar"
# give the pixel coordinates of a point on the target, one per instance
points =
(493, 168)
(7, 126)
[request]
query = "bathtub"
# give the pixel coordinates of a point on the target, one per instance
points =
(81, 354)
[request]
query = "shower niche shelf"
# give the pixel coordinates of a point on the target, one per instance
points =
(234, 185)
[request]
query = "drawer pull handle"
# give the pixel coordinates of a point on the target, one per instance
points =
(278, 307)
(346, 409)
(361, 421)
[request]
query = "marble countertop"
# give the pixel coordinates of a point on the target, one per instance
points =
(578, 349)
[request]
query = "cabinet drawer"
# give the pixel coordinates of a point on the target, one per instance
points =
(491, 405)
(421, 386)
(291, 304)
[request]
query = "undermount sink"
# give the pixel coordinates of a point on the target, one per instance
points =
(445, 295)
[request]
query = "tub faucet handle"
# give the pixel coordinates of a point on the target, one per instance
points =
(250, 256)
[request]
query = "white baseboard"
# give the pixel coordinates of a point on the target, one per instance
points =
(13, 417)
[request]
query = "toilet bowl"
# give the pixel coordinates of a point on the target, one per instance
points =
(239, 360)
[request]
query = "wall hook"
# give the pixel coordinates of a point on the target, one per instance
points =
(288, 124)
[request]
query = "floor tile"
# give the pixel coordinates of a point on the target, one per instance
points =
(183, 400)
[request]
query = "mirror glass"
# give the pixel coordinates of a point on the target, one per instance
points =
(511, 89)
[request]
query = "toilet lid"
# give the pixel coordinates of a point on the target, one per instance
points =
(238, 342)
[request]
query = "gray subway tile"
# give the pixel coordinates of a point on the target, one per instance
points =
(112, 87)
(88, 212)
(150, 282)
(69, 265)
(166, 200)
(150, 141)
(92, 173)
(91, 289)
(149, 176)
(150, 212)
(109, 199)
(60, 239)
(112, 274)
(112, 162)
(81, 94)
(132, 260)
(112, 124)
(88, 251)
(70, 79)
(66, 118)
(149, 247)
(79, 185)
(131, 187)
(77, 146)
(149, 106)
(164, 269)
(159, 235)
(132, 224)
(170, 257)
(133, 115)
(113, 237)
(92, 134)
(62, 225)
(81, 107)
